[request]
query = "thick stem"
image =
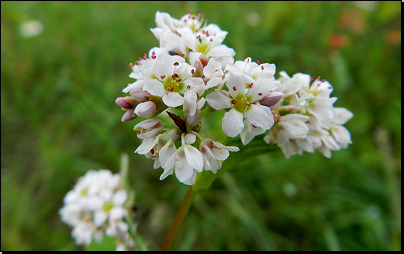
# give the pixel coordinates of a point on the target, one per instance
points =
(186, 203)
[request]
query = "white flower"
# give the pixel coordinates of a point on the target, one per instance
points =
(252, 69)
(149, 128)
(172, 77)
(31, 28)
(95, 203)
(339, 132)
(242, 101)
(214, 153)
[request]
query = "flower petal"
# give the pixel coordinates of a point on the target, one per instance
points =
(154, 87)
(173, 99)
(232, 123)
(260, 116)
(194, 157)
(218, 100)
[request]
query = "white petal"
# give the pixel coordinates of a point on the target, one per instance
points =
(232, 123)
(189, 103)
(172, 99)
(194, 157)
(154, 87)
(261, 88)
(260, 116)
(119, 197)
(146, 146)
(99, 218)
(218, 100)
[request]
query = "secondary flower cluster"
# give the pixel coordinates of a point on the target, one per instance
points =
(95, 205)
(192, 67)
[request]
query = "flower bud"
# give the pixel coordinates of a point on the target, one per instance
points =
(204, 59)
(126, 102)
(192, 121)
(149, 128)
(145, 109)
(271, 99)
(129, 115)
(199, 69)
(138, 94)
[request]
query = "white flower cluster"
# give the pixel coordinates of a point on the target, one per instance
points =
(95, 205)
(309, 120)
(192, 67)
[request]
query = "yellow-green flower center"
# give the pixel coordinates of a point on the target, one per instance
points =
(172, 85)
(107, 206)
(240, 103)
(84, 192)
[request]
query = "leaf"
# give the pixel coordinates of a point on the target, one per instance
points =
(178, 121)
(256, 147)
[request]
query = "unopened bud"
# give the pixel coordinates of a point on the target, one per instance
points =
(138, 94)
(271, 99)
(199, 69)
(145, 109)
(149, 128)
(192, 121)
(204, 59)
(129, 115)
(126, 102)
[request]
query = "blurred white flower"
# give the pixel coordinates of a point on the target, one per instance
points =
(94, 205)
(31, 28)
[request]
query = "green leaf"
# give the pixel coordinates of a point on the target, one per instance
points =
(254, 148)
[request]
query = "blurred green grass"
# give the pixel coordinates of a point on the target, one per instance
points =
(59, 119)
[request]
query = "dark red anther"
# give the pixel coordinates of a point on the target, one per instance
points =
(196, 30)
(233, 102)
(262, 67)
(144, 56)
(188, 87)
(248, 103)
(137, 63)
(176, 63)
(323, 80)
(234, 88)
(250, 85)
(193, 71)
(130, 65)
(319, 77)
(311, 79)
(153, 57)
(211, 39)
(163, 76)
(258, 62)
(259, 94)
(170, 89)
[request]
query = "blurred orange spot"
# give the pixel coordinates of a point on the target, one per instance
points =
(338, 41)
(393, 36)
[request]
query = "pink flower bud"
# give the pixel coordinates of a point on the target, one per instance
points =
(199, 69)
(271, 99)
(138, 94)
(126, 102)
(292, 108)
(145, 109)
(129, 115)
(192, 121)
(204, 59)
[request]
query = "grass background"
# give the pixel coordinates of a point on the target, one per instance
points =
(59, 119)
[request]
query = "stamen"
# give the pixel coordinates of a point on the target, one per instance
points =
(163, 76)
(259, 94)
(130, 65)
(233, 102)
(234, 88)
(176, 63)
(248, 103)
(170, 89)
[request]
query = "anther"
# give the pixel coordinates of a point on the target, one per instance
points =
(250, 85)
(259, 94)
(162, 76)
(130, 65)
(176, 64)
(170, 89)
(233, 102)
(258, 62)
(234, 88)
(248, 103)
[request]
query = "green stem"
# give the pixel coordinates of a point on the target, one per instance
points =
(186, 203)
